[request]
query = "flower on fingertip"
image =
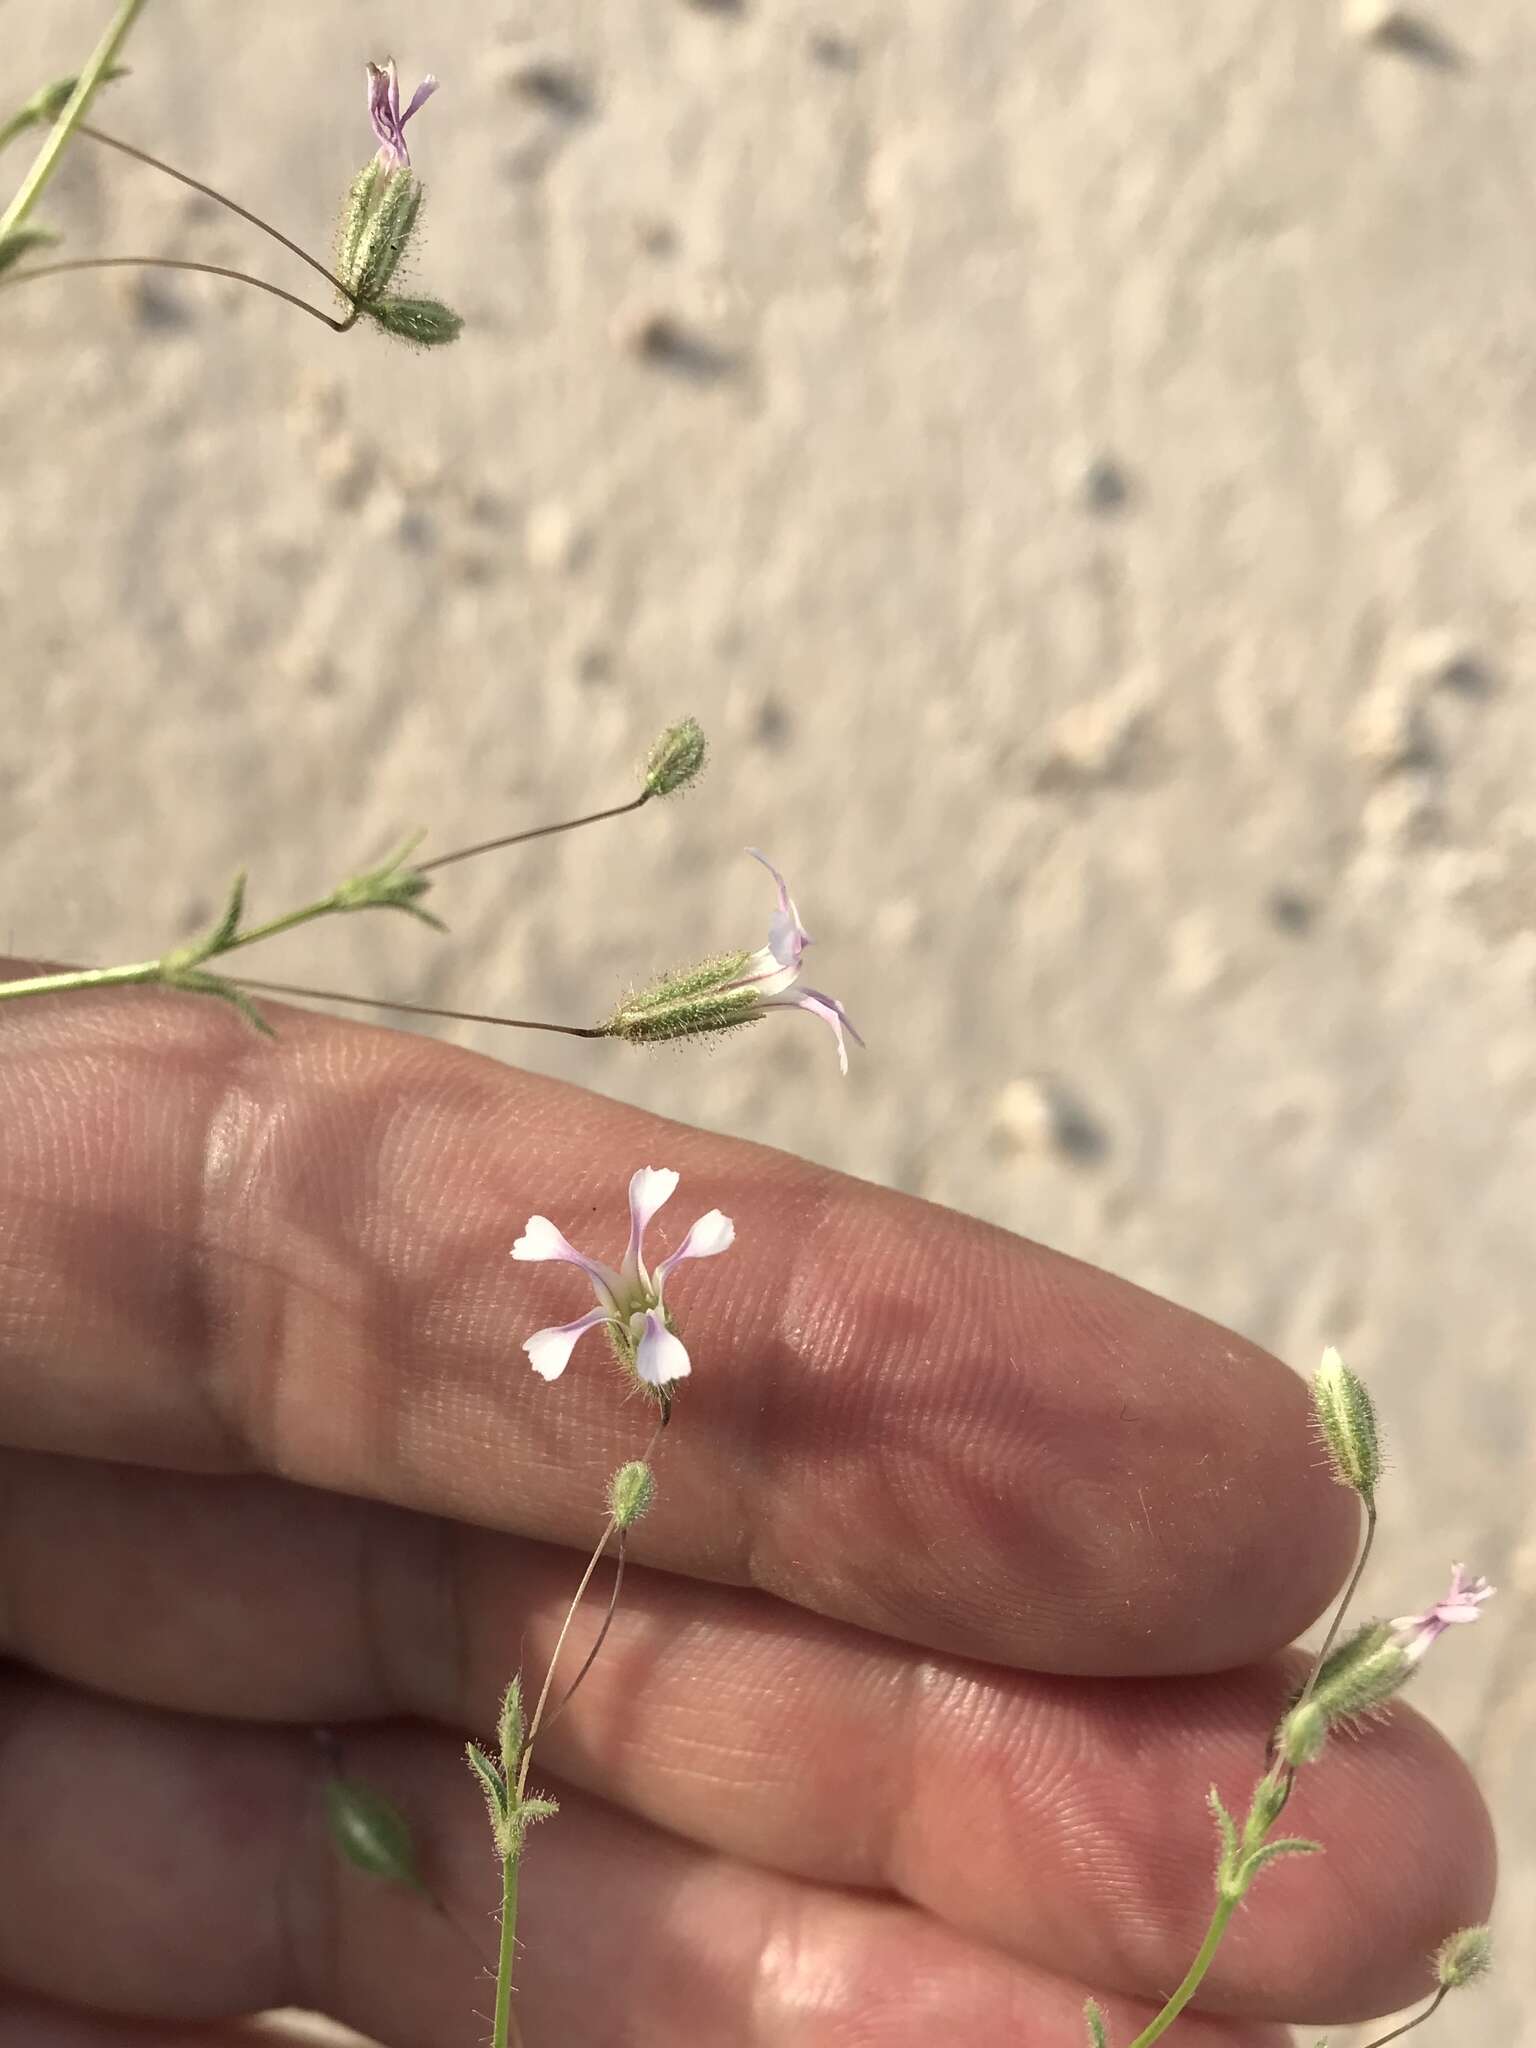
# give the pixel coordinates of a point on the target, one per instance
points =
(630, 1297)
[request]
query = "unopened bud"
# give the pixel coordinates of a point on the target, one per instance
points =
(687, 1004)
(511, 1729)
(424, 323)
(380, 218)
(1347, 1420)
(1464, 1956)
(1098, 2036)
(372, 1833)
(676, 759)
(1303, 1733)
(1365, 1671)
(631, 1492)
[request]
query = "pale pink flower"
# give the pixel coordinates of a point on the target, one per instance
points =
(629, 1298)
(384, 112)
(772, 971)
(1415, 1633)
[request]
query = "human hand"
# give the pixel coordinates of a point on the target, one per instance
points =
(970, 1569)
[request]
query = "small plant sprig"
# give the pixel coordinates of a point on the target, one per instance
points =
(396, 883)
(367, 1829)
(379, 220)
(1348, 1681)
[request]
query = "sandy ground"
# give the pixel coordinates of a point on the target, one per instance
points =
(1080, 462)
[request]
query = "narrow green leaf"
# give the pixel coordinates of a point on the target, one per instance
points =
(21, 242)
(492, 1783)
(227, 930)
(48, 102)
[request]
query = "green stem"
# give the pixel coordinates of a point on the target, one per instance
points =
(501, 2033)
(549, 1677)
(137, 974)
(289, 921)
(1193, 1977)
(275, 291)
(444, 860)
(155, 163)
(337, 995)
(1343, 1607)
(46, 162)
(1418, 2020)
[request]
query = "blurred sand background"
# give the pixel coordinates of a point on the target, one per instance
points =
(1079, 461)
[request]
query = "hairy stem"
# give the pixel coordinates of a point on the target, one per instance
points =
(501, 2030)
(1193, 1976)
(46, 162)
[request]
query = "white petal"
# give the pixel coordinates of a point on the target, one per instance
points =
(764, 974)
(660, 1357)
(828, 1009)
(650, 1188)
(549, 1351)
(712, 1234)
(787, 936)
(541, 1241)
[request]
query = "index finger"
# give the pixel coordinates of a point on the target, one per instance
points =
(220, 1253)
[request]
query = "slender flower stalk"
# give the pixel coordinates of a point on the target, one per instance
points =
(402, 886)
(260, 284)
(155, 163)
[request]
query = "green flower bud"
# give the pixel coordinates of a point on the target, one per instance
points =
(1464, 1956)
(631, 1492)
(676, 759)
(425, 323)
(511, 1729)
(381, 215)
(1303, 1733)
(687, 1004)
(1098, 2035)
(372, 1833)
(1347, 1421)
(1364, 1672)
